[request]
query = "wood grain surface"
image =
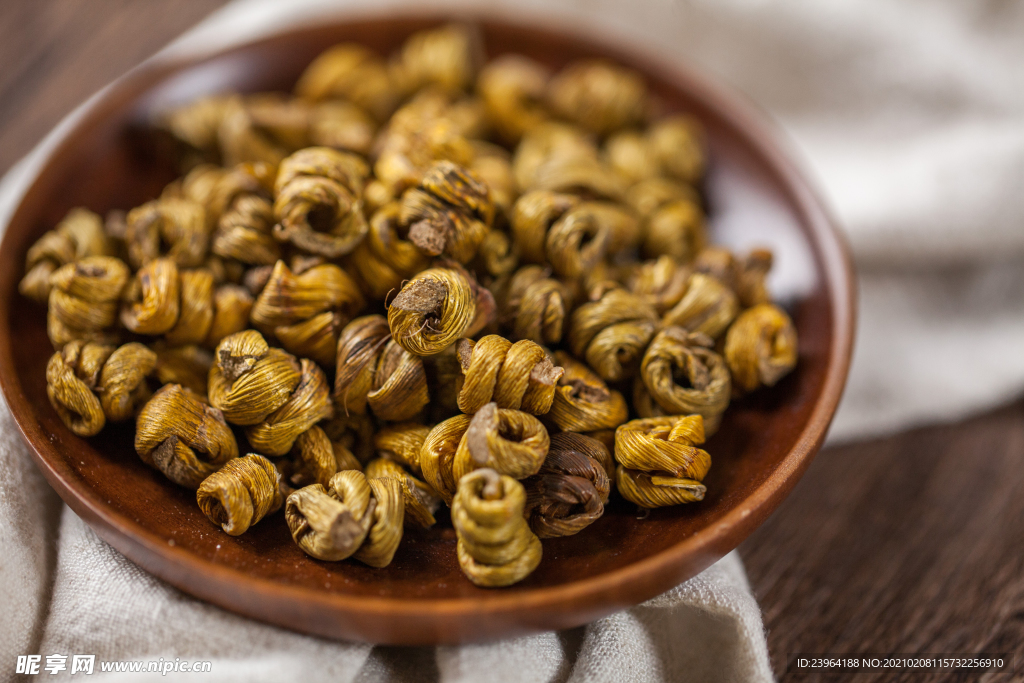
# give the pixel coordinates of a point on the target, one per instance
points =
(908, 544)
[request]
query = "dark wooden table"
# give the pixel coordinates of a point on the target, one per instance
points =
(912, 544)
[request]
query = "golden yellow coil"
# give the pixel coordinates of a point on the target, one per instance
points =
(434, 308)
(570, 490)
(78, 235)
(496, 547)
(313, 460)
(402, 443)
(511, 442)
(249, 380)
(651, 490)
(178, 434)
(308, 403)
(177, 222)
(84, 298)
(386, 256)
(708, 307)
(421, 501)
(437, 455)
(512, 87)
(660, 283)
(612, 333)
(446, 57)
(682, 375)
(664, 444)
(240, 494)
(583, 402)
(349, 71)
(598, 95)
(519, 376)
(537, 306)
(153, 302)
(188, 366)
(760, 347)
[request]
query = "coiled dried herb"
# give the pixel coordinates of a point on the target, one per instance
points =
(437, 455)
(313, 460)
(659, 462)
(83, 300)
(249, 380)
(178, 434)
(152, 301)
(745, 276)
(708, 307)
(79, 234)
(511, 442)
(402, 443)
(570, 491)
(598, 95)
(386, 257)
(318, 201)
(308, 403)
(446, 57)
(245, 218)
(536, 306)
(612, 333)
(350, 72)
(583, 402)
(450, 212)
(512, 88)
(305, 310)
(760, 347)
(188, 366)
(660, 283)
(421, 501)
(177, 222)
(496, 547)
(437, 307)
(682, 375)
(518, 376)
(240, 493)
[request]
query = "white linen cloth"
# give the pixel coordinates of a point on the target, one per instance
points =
(911, 113)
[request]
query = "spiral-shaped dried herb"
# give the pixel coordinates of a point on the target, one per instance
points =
(372, 368)
(496, 547)
(511, 442)
(318, 201)
(386, 257)
(84, 298)
(195, 312)
(402, 443)
(708, 307)
(240, 494)
(682, 375)
(450, 212)
(232, 306)
(648, 195)
(512, 88)
(421, 501)
(350, 72)
(437, 307)
(660, 283)
(612, 333)
(675, 229)
(313, 460)
(178, 434)
(598, 95)
(89, 384)
(517, 376)
(309, 403)
(536, 306)
(745, 276)
(760, 347)
(437, 455)
(570, 490)
(554, 145)
(188, 366)
(78, 235)
(152, 301)
(249, 380)
(306, 310)
(354, 516)
(583, 402)
(678, 146)
(446, 57)
(178, 223)
(242, 204)
(659, 462)
(242, 139)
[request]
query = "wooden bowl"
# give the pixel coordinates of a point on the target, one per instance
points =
(756, 197)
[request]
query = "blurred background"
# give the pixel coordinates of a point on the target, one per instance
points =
(905, 535)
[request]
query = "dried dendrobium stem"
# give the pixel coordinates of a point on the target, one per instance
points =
(122, 387)
(245, 224)
(83, 300)
(708, 307)
(536, 306)
(402, 443)
(436, 307)
(388, 515)
(518, 376)
(197, 123)
(570, 490)
(309, 403)
(341, 125)
(496, 547)
(419, 133)
(493, 165)
(386, 257)
(496, 259)
(232, 306)
(678, 146)
(240, 493)
(305, 311)
(195, 316)
(249, 380)
(629, 154)
(437, 455)
(446, 57)
(188, 366)
(313, 460)
(675, 229)
(421, 501)
(612, 333)
(583, 402)
(177, 222)
(242, 140)
(178, 434)
(760, 347)
(399, 388)
(450, 212)
(78, 235)
(647, 196)
(598, 95)
(682, 375)
(552, 144)
(533, 216)
(152, 301)
(509, 441)
(349, 71)
(359, 347)
(660, 283)
(512, 88)
(318, 201)
(659, 462)
(745, 276)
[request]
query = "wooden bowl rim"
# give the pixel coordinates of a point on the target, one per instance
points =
(618, 588)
